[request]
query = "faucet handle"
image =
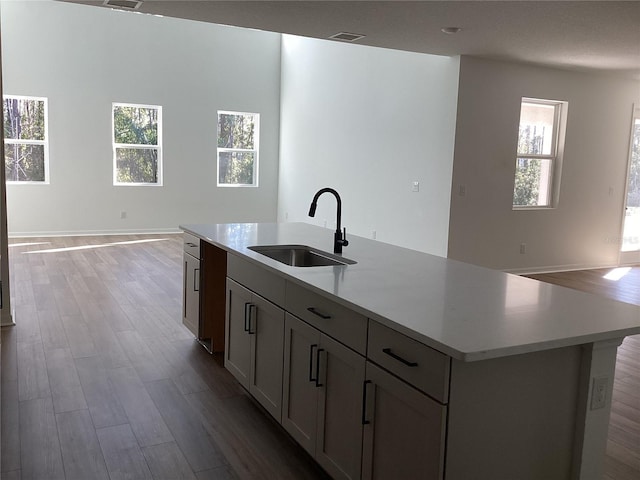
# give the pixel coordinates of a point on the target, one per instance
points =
(345, 242)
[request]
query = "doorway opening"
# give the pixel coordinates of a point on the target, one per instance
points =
(630, 245)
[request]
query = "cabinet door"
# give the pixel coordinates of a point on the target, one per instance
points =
(339, 443)
(191, 294)
(300, 397)
(237, 356)
(405, 434)
(266, 328)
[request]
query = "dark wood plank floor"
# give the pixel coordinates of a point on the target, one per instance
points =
(100, 380)
(623, 445)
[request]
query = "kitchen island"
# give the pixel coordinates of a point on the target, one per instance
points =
(518, 374)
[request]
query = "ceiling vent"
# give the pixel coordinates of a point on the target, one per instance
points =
(347, 37)
(123, 4)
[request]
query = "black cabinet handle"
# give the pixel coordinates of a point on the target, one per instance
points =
(311, 379)
(364, 402)
(252, 308)
(324, 316)
(196, 279)
(318, 384)
(247, 315)
(191, 244)
(399, 358)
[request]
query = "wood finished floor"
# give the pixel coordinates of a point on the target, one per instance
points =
(623, 445)
(100, 380)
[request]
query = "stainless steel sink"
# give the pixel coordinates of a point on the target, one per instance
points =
(301, 255)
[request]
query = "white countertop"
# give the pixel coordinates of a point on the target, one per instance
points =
(468, 312)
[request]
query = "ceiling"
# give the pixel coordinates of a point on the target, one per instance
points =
(582, 35)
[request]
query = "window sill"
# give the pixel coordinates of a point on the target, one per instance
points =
(533, 207)
(137, 185)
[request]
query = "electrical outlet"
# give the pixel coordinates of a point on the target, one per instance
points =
(373, 234)
(523, 248)
(599, 392)
(415, 187)
(462, 190)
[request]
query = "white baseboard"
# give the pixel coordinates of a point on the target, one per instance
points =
(89, 233)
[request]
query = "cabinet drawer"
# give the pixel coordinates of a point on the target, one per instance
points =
(339, 322)
(191, 245)
(256, 278)
(421, 366)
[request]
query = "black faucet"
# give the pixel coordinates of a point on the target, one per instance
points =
(339, 240)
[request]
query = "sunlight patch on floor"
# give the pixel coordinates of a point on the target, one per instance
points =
(617, 273)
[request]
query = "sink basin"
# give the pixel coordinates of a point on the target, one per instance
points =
(301, 256)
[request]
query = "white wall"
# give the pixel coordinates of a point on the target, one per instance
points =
(83, 59)
(368, 122)
(584, 230)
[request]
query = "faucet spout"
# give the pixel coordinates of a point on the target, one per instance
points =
(339, 240)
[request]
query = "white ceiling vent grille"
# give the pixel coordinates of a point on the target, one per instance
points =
(124, 4)
(347, 37)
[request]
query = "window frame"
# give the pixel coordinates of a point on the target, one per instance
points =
(555, 156)
(44, 143)
(255, 150)
(115, 146)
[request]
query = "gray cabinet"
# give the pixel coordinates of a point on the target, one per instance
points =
(407, 386)
(404, 431)
(191, 284)
(322, 398)
(254, 345)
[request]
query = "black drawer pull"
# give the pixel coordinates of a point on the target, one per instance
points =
(399, 358)
(319, 314)
(191, 244)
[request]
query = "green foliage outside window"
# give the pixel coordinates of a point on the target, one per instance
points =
(237, 148)
(136, 132)
(528, 170)
(135, 125)
(136, 165)
(527, 184)
(25, 137)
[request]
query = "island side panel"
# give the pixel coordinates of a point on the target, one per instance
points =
(594, 408)
(213, 271)
(514, 417)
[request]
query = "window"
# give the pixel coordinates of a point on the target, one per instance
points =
(538, 158)
(137, 144)
(238, 148)
(26, 144)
